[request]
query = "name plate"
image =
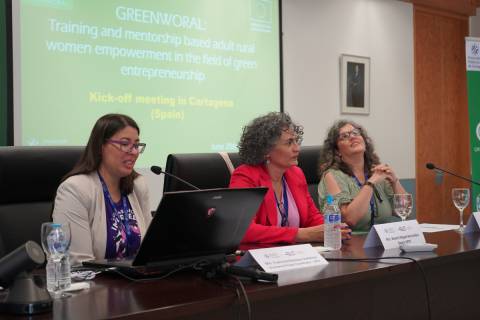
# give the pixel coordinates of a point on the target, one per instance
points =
(473, 223)
(392, 235)
(277, 259)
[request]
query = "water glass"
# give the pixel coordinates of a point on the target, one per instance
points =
(56, 242)
(478, 203)
(402, 205)
(461, 198)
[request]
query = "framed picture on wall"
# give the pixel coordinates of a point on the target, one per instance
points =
(354, 84)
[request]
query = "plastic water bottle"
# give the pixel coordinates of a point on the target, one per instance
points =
(332, 217)
(57, 242)
(62, 277)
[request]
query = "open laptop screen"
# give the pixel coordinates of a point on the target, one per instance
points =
(199, 223)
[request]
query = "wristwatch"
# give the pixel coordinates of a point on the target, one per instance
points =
(369, 183)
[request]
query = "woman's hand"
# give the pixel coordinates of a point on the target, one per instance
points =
(388, 173)
(381, 172)
(317, 233)
(346, 232)
(310, 234)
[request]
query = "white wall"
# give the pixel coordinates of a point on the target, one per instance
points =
(475, 25)
(316, 33)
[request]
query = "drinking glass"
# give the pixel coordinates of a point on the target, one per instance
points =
(461, 197)
(402, 205)
(478, 202)
(56, 242)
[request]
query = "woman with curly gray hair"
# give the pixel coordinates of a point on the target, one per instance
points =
(351, 171)
(269, 149)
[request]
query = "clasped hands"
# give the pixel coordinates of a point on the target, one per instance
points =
(381, 172)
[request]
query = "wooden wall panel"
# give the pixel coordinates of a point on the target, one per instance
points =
(462, 7)
(441, 111)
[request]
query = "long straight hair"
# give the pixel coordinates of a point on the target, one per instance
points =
(91, 158)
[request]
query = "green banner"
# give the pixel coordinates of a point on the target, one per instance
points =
(473, 87)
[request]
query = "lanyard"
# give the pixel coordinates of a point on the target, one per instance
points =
(372, 201)
(115, 212)
(284, 211)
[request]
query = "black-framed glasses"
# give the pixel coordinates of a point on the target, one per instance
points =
(127, 146)
(347, 135)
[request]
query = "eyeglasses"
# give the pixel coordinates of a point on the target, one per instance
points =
(127, 146)
(295, 140)
(347, 135)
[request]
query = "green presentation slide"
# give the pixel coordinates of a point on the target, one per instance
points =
(192, 73)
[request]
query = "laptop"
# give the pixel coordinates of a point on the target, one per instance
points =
(189, 227)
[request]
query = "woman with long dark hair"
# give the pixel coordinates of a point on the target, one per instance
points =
(103, 198)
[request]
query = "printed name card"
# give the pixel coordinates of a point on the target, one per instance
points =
(473, 223)
(392, 235)
(283, 258)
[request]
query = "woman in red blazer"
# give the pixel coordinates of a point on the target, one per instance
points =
(269, 149)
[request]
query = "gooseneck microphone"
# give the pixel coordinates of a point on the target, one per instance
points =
(431, 166)
(158, 170)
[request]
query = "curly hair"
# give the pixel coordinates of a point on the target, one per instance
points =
(329, 156)
(261, 135)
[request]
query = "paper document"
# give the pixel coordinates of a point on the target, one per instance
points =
(433, 227)
(279, 259)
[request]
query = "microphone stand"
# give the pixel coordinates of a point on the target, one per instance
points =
(225, 268)
(253, 274)
(431, 166)
(157, 170)
(181, 180)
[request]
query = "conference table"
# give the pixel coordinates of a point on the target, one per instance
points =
(385, 289)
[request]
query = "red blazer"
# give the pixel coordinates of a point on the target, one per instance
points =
(264, 227)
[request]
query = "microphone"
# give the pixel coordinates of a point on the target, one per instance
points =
(158, 170)
(431, 166)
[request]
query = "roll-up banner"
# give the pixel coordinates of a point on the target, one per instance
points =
(473, 86)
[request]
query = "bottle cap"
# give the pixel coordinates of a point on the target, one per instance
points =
(329, 199)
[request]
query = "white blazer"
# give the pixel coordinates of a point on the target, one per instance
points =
(80, 201)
